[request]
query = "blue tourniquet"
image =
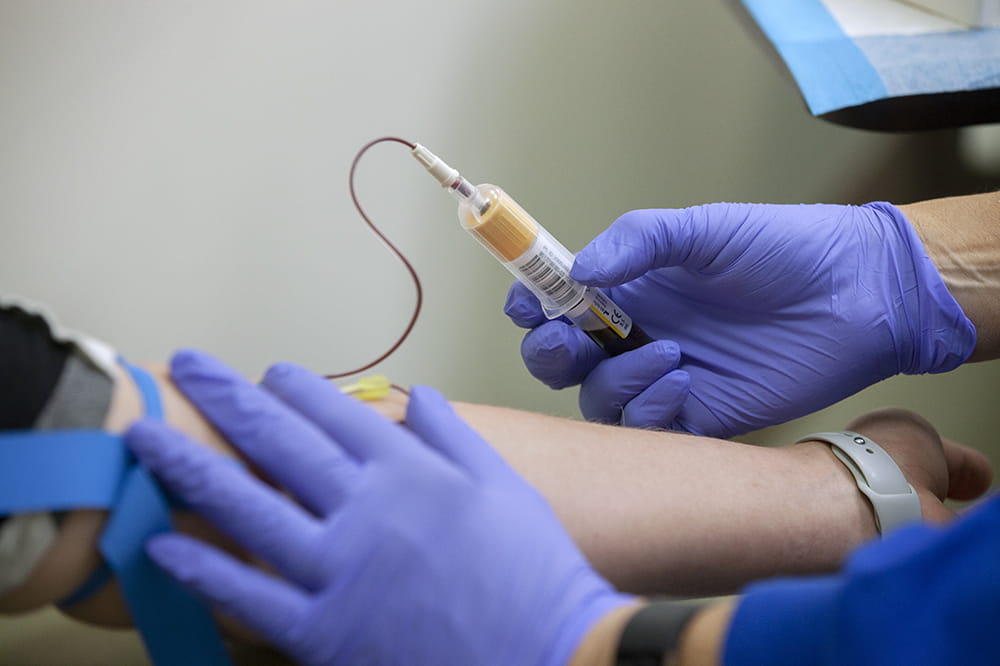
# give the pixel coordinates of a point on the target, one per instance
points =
(90, 469)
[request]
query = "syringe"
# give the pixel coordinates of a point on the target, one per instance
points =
(535, 258)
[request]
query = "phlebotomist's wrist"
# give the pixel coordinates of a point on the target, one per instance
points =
(657, 632)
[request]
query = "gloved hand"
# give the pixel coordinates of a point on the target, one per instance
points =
(923, 595)
(413, 544)
(779, 310)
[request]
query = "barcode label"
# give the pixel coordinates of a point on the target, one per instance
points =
(549, 272)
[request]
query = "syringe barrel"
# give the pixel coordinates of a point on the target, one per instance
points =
(525, 248)
(542, 264)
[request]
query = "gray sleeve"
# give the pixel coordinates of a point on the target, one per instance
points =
(24, 539)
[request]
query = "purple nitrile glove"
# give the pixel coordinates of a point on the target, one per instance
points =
(778, 311)
(412, 544)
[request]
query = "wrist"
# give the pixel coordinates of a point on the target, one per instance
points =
(893, 500)
(931, 331)
(698, 642)
(704, 638)
(599, 646)
(841, 514)
(855, 520)
(913, 445)
(962, 238)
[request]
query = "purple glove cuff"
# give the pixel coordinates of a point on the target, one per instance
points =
(789, 621)
(942, 336)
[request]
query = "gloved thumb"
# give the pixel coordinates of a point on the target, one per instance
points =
(643, 240)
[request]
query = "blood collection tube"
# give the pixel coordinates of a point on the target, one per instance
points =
(535, 258)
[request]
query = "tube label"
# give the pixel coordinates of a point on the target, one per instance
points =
(544, 268)
(610, 313)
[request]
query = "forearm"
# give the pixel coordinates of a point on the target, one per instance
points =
(663, 512)
(671, 513)
(962, 238)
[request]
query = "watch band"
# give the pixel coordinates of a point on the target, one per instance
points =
(893, 499)
(654, 633)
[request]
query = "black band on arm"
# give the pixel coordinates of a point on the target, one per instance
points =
(653, 634)
(30, 365)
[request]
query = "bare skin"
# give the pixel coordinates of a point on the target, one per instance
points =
(703, 640)
(962, 238)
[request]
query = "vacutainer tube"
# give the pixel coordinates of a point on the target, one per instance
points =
(542, 264)
(535, 258)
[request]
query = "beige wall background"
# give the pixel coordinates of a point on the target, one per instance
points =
(174, 174)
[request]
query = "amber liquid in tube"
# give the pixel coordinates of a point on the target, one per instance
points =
(542, 263)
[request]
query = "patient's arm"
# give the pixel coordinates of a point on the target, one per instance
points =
(678, 514)
(654, 511)
(73, 556)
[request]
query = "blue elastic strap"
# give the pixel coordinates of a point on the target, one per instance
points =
(75, 469)
(60, 469)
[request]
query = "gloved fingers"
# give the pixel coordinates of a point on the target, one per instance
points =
(643, 240)
(618, 380)
(560, 355)
(434, 420)
(264, 604)
(660, 403)
(251, 512)
(523, 307)
(294, 451)
(352, 424)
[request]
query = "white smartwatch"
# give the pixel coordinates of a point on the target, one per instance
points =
(893, 499)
